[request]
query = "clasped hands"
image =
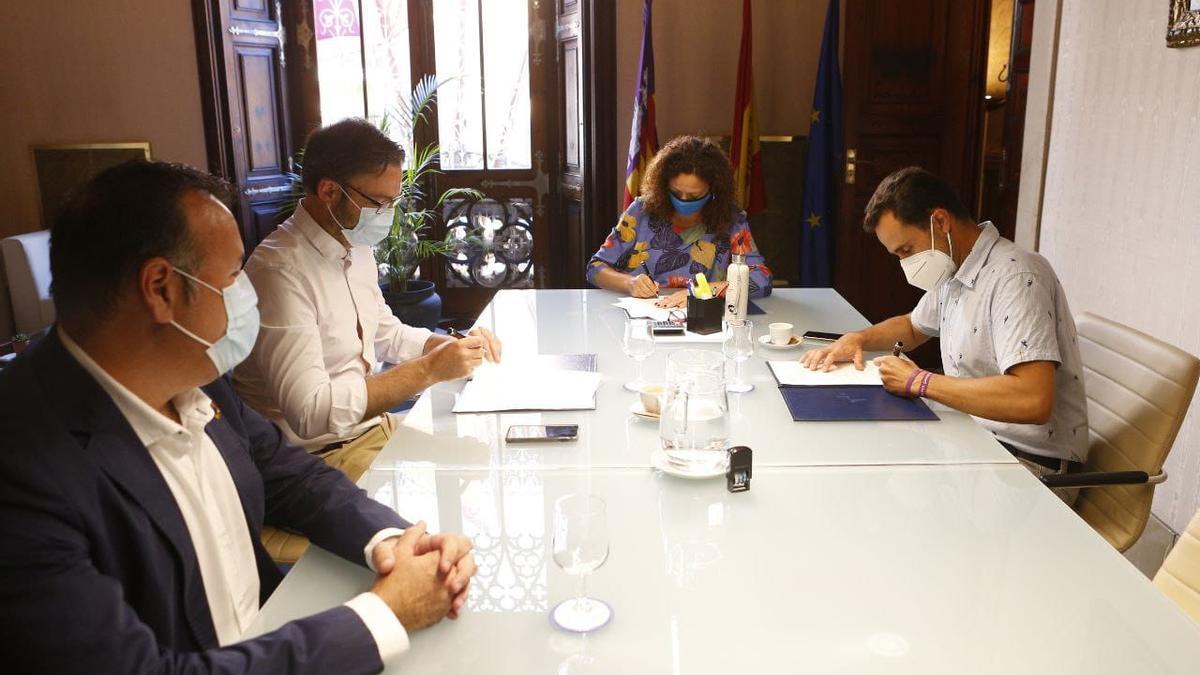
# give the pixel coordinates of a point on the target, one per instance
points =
(423, 577)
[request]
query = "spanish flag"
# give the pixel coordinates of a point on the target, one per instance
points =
(643, 137)
(744, 152)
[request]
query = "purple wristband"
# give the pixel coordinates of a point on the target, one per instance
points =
(925, 383)
(911, 378)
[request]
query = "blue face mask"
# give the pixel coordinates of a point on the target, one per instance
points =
(373, 224)
(241, 327)
(687, 207)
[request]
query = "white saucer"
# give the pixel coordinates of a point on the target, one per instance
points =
(765, 340)
(640, 411)
(659, 460)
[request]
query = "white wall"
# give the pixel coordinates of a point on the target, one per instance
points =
(93, 72)
(1120, 219)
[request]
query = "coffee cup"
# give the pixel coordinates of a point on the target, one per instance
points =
(651, 394)
(781, 334)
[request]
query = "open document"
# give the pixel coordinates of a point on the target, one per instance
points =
(794, 374)
(527, 384)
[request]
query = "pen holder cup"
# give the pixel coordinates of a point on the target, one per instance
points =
(704, 316)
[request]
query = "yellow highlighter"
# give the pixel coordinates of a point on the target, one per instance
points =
(703, 290)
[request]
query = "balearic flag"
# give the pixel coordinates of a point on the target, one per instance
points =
(643, 136)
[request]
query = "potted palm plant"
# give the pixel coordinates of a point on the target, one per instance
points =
(399, 255)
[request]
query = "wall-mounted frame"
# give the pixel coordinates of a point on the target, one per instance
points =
(1183, 23)
(60, 168)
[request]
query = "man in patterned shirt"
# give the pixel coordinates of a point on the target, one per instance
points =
(1008, 338)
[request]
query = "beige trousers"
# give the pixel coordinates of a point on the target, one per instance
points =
(1068, 495)
(352, 458)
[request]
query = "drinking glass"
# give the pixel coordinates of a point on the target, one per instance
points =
(738, 347)
(638, 344)
(580, 547)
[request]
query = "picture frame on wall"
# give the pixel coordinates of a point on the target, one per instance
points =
(1183, 23)
(60, 168)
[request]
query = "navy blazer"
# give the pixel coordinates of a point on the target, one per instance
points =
(97, 570)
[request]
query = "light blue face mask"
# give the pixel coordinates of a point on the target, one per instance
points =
(241, 328)
(686, 207)
(373, 224)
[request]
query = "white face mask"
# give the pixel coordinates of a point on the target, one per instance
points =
(373, 224)
(928, 269)
(241, 328)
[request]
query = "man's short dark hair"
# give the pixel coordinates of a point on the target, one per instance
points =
(347, 148)
(113, 224)
(912, 194)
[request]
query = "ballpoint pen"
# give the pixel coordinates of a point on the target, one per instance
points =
(646, 271)
(459, 335)
(897, 348)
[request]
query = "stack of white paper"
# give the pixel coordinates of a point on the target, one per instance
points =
(793, 373)
(643, 308)
(527, 386)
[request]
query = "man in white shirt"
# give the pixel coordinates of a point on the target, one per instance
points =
(1008, 339)
(134, 484)
(325, 325)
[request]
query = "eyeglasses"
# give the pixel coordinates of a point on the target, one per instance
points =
(378, 206)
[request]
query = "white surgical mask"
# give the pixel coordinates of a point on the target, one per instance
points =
(241, 329)
(928, 269)
(373, 224)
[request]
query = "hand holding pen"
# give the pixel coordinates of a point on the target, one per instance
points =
(643, 285)
(490, 343)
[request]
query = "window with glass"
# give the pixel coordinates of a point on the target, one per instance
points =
(481, 59)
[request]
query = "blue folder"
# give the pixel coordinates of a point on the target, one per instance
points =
(851, 403)
(752, 308)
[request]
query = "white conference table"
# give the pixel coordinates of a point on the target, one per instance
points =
(903, 569)
(584, 321)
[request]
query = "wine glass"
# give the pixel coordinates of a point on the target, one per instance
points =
(638, 344)
(580, 548)
(738, 346)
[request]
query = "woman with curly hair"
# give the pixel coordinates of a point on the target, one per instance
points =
(684, 222)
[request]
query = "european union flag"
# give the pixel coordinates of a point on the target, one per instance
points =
(824, 163)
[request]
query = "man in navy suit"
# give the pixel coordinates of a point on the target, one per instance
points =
(134, 483)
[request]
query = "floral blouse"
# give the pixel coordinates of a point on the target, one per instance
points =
(673, 256)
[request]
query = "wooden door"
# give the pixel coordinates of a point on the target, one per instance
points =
(913, 94)
(585, 205)
(1014, 117)
(241, 47)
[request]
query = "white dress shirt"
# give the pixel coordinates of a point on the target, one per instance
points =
(325, 327)
(199, 480)
(1005, 306)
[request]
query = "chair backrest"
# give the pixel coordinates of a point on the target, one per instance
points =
(1138, 391)
(27, 265)
(1179, 576)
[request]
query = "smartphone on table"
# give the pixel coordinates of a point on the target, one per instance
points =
(536, 433)
(821, 337)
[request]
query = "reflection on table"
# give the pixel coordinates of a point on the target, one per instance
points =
(584, 321)
(832, 570)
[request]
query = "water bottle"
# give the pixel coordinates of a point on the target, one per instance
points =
(737, 293)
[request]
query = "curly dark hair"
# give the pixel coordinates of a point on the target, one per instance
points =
(699, 157)
(912, 194)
